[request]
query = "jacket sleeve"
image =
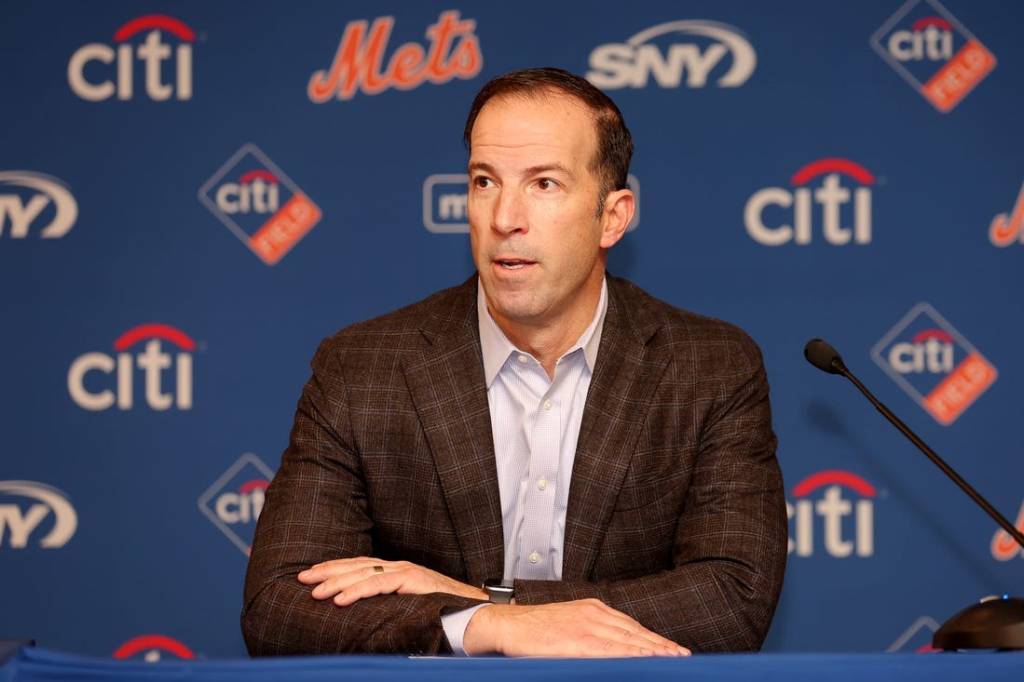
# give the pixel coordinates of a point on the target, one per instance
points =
(316, 510)
(729, 551)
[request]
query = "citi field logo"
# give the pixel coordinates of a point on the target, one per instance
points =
(234, 502)
(1004, 547)
(153, 649)
(25, 506)
(797, 211)
(671, 50)
(937, 367)
(98, 381)
(933, 52)
(453, 52)
(259, 204)
(27, 202)
(1008, 228)
(917, 638)
(846, 526)
(119, 74)
(446, 203)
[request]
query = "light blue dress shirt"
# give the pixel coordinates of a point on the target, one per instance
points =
(535, 423)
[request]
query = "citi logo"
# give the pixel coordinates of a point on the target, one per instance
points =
(454, 52)
(152, 52)
(235, 500)
(929, 38)
(846, 526)
(446, 203)
(255, 192)
(933, 362)
(660, 52)
(1004, 547)
(39, 502)
(21, 210)
(931, 350)
(152, 649)
(93, 371)
(830, 197)
(933, 52)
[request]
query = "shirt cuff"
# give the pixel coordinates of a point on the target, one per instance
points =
(455, 625)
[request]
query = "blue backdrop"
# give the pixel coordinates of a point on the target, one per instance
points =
(193, 194)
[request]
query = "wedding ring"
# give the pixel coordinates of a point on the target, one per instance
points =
(378, 569)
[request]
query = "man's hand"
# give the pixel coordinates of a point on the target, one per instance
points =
(587, 627)
(349, 580)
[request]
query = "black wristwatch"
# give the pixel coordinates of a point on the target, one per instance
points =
(499, 591)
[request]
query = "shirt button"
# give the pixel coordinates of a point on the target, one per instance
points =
(522, 359)
(542, 484)
(547, 404)
(534, 558)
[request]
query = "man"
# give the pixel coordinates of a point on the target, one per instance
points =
(609, 456)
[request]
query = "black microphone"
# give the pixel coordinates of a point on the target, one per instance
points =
(994, 624)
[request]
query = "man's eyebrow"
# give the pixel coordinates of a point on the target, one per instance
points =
(532, 170)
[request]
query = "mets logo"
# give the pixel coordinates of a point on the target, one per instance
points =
(122, 62)
(234, 502)
(454, 52)
(38, 502)
(1008, 228)
(844, 525)
(933, 52)
(936, 366)
(259, 204)
(841, 213)
(671, 50)
(152, 649)
(1004, 547)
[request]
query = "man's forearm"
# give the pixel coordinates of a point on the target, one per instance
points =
(707, 606)
(283, 619)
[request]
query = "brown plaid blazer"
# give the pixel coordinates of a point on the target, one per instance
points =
(676, 512)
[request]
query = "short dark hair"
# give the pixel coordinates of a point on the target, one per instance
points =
(614, 142)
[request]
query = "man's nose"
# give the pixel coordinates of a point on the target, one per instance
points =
(509, 213)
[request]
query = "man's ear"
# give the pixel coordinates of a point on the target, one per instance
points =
(619, 207)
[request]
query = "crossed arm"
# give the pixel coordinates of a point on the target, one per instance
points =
(312, 586)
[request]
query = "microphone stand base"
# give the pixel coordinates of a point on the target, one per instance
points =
(991, 624)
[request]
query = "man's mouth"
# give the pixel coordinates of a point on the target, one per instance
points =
(514, 263)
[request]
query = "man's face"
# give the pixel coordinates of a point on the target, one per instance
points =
(535, 233)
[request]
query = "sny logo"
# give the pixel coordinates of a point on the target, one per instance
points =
(234, 502)
(832, 508)
(933, 52)
(152, 648)
(454, 53)
(1006, 228)
(20, 210)
(250, 200)
(18, 521)
(153, 51)
(657, 51)
(934, 364)
(446, 203)
(152, 361)
(830, 195)
(1004, 547)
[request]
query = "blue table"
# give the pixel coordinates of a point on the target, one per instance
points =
(36, 664)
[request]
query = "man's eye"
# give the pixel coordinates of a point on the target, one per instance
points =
(546, 184)
(481, 182)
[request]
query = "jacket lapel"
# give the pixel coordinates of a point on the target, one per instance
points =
(447, 385)
(626, 374)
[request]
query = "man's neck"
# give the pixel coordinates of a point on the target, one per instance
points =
(550, 339)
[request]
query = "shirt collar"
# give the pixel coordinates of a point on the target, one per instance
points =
(496, 347)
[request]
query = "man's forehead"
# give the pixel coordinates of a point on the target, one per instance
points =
(551, 122)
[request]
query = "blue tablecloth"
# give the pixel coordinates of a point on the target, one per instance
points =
(32, 664)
